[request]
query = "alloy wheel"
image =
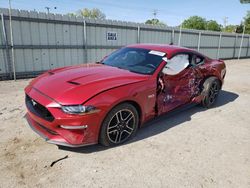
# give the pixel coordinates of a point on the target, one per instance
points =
(121, 126)
(213, 92)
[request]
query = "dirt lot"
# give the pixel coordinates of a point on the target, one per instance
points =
(194, 148)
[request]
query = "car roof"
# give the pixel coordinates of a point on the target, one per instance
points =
(168, 49)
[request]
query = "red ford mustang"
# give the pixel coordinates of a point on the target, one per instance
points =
(108, 101)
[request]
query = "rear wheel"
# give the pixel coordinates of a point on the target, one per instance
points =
(211, 89)
(120, 125)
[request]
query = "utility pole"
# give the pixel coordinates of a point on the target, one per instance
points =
(225, 20)
(155, 12)
(48, 9)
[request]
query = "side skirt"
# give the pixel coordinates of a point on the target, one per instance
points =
(170, 113)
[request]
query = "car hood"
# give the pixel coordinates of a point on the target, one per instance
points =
(76, 84)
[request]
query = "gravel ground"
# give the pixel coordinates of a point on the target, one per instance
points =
(194, 148)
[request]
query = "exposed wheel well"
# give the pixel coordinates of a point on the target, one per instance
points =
(201, 84)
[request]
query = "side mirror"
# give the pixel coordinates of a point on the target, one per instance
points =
(100, 62)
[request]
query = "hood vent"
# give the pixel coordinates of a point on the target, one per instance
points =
(75, 83)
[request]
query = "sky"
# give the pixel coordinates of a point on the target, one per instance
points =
(171, 12)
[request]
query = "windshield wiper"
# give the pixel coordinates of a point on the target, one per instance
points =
(120, 68)
(99, 62)
(136, 71)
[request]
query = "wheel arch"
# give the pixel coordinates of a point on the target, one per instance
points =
(138, 108)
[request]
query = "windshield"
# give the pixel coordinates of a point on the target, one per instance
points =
(136, 60)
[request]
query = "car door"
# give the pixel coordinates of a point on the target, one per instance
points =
(177, 83)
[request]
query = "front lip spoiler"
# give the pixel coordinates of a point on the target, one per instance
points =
(30, 124)
(67, 145)
(55, 142)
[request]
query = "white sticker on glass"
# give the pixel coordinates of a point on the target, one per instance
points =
(153, 52)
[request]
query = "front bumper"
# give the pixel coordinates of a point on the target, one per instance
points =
(64, 129)
(49, 136)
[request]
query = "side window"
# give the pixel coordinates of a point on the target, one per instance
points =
(197, 60)
(176, 64)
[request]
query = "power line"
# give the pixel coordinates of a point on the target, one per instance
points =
(165, 14)
(137, 8)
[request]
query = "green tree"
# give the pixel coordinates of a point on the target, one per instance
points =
(239, 28)
(71, 14)
(246, 22)
(245, 1)
(230, 28)
(212, 25)
(155, 21)
(194, 22)
(89, 13)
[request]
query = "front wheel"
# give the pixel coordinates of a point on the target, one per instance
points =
(211, 89)
(120, 125)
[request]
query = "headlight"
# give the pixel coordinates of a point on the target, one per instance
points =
(79, 109)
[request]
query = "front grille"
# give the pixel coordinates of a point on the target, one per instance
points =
(38, 109)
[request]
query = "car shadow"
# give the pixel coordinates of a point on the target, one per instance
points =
(162, 123)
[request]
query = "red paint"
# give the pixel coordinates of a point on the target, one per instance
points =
(104, 87)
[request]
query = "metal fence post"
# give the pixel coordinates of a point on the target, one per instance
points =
(172, 37)
(85, 40)
(218, 50)
(138, 34)
(199, 42)
(241, 42)
(235, 45)
(7, 63)
(248, 45)
(179, 40)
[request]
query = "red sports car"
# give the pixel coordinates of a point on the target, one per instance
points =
(108, 101)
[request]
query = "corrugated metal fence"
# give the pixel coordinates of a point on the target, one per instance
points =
(46, 41)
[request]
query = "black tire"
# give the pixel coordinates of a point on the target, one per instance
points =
(211, 89)
(120, 125)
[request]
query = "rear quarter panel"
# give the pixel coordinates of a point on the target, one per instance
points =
(216, 68)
